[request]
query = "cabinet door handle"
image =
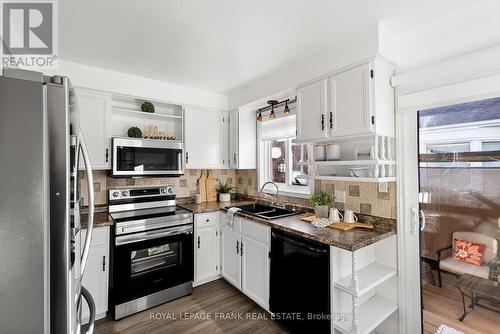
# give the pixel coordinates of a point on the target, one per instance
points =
(187, 158)
(331, 120)
(322, 121)
(104, 263)
(107, 155)
(199, 242)
(241, 253)
(237, 247)
(234, 157)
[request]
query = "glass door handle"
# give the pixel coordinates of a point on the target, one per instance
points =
(421, 215)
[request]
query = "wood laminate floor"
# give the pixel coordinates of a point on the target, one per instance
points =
(444, 306)
(215, 307)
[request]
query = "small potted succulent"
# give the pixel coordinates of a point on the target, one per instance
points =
(134, 132)
(322, 201)
(148, 107)
(224, 190)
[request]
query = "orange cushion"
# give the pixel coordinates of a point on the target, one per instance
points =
(469, 252)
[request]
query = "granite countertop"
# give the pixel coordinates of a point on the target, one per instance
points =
(101, 218)
(212, 206)
(348, 240)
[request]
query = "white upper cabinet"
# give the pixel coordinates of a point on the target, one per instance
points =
(204, 139)
(242, 139)
(312, 123)
(95, 117)
(349, 102)
(353, 102)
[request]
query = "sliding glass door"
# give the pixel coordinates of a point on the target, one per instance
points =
(449, 213)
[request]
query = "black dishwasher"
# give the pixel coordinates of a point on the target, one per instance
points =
(300, 283)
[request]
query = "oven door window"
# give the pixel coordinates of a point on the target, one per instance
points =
(148, 266)
(148, 260)
(143, 159)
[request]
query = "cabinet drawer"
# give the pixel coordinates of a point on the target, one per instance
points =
(100, 236)
(206, 219)
(256, 231)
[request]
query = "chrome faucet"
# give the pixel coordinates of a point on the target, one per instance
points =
(275, 199)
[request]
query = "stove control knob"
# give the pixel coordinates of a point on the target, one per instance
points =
(116, 194)
(162, 190)
(124, 193)
(170, 190)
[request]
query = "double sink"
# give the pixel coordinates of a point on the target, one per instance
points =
(265, 211)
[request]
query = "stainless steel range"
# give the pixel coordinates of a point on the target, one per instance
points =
(152, 249)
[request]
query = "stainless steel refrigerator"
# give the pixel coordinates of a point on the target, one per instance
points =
(42, 259)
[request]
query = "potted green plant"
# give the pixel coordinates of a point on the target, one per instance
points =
(224, 190)
(134, 132)
(322, 201)
(148, 107)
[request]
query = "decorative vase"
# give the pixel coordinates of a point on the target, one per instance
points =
(321, 211)
(225, 197)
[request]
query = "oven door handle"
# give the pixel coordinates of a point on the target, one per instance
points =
(144, 236)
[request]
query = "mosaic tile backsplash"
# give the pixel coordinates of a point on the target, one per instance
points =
(361, 197)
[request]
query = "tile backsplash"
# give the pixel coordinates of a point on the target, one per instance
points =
(362, 197)
(185, 185)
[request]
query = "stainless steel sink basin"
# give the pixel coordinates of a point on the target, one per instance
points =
(266, 211)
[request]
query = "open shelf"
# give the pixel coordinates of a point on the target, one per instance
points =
(348, 163)
(351, 178)
(139, 113)
(368, 278)
(371, 314)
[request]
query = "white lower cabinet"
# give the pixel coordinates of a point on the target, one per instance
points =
(255, 271)
(207, 247)
(95, 278)
(230, 255)
(245, 257)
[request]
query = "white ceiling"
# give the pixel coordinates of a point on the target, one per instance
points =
(219, 45)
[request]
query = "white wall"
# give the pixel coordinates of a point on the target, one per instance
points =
(123, 83)
(359, 47)
(452, 36)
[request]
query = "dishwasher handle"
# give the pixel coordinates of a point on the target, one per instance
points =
(299, 244)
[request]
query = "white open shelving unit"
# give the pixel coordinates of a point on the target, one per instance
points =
(126, 112)
(365, 286)
(376, 165)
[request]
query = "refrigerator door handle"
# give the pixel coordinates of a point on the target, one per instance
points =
(90, 187)
(89, 327)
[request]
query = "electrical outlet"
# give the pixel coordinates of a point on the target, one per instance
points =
(340, 196)
(383, 187)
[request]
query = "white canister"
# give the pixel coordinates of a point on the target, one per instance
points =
(319, 153)
(332, 152)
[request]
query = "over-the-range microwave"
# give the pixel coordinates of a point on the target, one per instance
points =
(147, 157)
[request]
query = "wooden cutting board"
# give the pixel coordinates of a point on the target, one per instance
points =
(210, 186)
(343, 226)
(202, 186)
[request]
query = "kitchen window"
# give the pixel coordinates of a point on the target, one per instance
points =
(280, 156)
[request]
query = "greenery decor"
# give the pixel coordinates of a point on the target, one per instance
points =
(134, 132)
(148, 107)
(224, 188)
(322, 198)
